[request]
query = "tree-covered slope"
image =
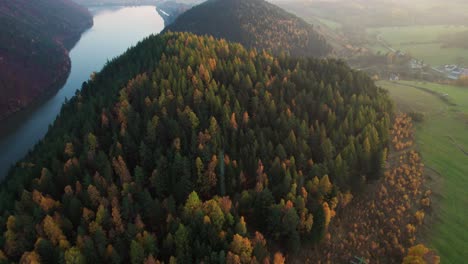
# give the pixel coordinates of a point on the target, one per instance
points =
(193, 149)
(169, 10)
(255, 24)
(34, 40)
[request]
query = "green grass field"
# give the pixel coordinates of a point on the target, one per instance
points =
(422, 42)
(441, 137)
(329, 23)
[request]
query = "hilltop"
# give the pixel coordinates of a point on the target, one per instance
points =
(255, 24)
(35, 37)
(192, 149)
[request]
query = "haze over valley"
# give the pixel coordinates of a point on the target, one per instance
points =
(233, 131)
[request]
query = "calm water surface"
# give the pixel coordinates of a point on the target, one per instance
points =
(115, 29)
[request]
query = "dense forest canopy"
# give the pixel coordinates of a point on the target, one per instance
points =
(255, 24)
(34, 40)
(192, 149)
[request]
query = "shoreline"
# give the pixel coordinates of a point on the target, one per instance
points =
(67, 44)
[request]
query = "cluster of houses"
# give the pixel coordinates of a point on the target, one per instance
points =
(416, 64)
(453, 72)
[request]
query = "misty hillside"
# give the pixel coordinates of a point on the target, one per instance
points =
(378, 13)
(254, 23)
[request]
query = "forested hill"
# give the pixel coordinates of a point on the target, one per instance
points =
(192, 149)
(34, 40)
(255, 24)
(170, 10)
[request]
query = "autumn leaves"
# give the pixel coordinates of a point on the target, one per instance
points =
(383, 224)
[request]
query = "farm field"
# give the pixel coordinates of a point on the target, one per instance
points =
(442, 140)
(329, 23)
(422, 42)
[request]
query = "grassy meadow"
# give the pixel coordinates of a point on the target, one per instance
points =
(422, 42)
(329, 23)
(442, 139)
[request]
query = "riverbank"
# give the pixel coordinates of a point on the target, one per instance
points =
(34, 71)
(48, 90)
(114, 30)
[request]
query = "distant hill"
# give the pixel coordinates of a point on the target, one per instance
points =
(135, 2)
(254, 23)
(169, 10)
(35, 37)
(116, 2)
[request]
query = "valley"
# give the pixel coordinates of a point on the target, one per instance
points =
(233, 131)
(424, 43)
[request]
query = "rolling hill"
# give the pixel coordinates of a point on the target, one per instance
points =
(254, 23)
(35, 37)
(191, 149)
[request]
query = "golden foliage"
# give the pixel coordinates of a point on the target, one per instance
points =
(46, 203)
(121, 169)
(383, 214)
(116, 218)
(69, 150)
(419, 254)
(30, 258)
(279, 258)
(53, 231)
(242, 247)
(232, 258)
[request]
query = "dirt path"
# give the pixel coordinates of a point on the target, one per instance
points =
(457, 145)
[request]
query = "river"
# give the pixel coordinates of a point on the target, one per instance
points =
(115, 29)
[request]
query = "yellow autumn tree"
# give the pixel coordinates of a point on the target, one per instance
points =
(419, 215)
(327, 213)
(74, 256)
(69, 150)
(242, 247)
(53, 232)
(241, 227)
(420, 254)
(325, 186)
